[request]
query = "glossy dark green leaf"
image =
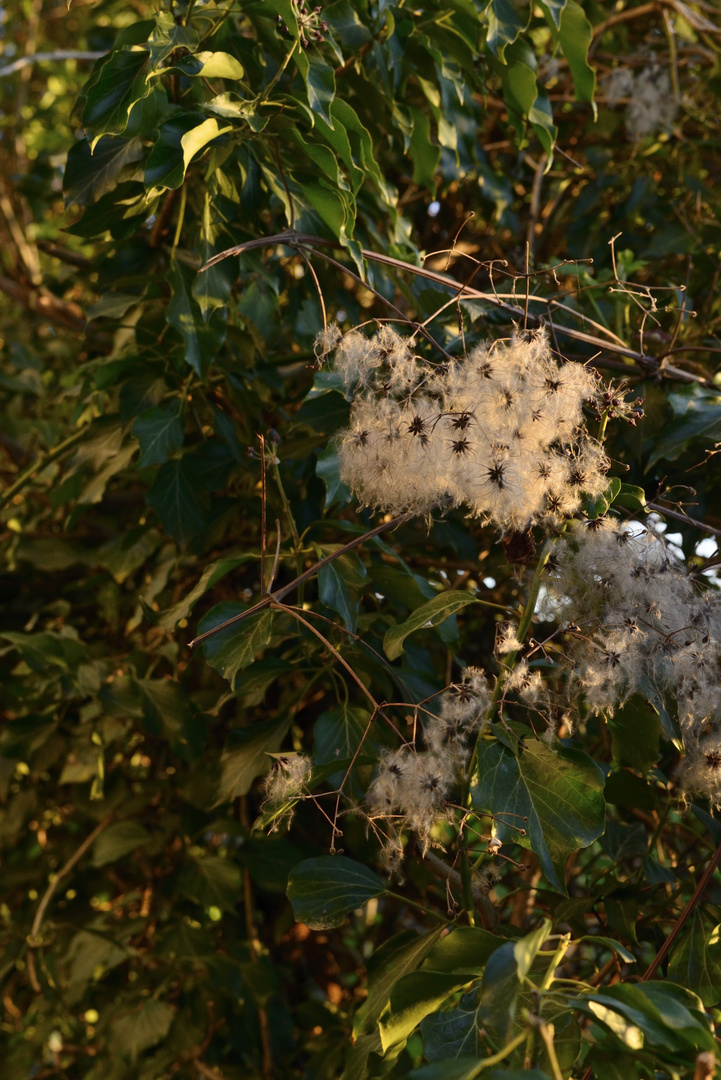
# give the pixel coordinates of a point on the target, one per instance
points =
(212, 287)
(697, 415)
(113, 89)
(414, 997)
(165, 167)
(430, 614)
(506, 20)
(339, 733)
(424, 153)
(631, 496)
(231, 650)
(396, 957)
(553, 10)
(328, 468)
(202, 339)
(179, 503)
(319, 82)
(91, 174)
(339, 585)
(159, 432)
(652, 1015)
(119, 212)
(119, 840)
(453, 1033)
(557, 796)
(576, 34)
(635, 734)
(136, 1030)
(696, 960)
(465, 949)
(325, 890)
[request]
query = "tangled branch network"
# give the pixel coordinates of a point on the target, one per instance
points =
(500, 430)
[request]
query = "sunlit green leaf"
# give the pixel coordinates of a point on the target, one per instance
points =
(430, 614)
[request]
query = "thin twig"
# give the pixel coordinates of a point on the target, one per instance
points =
(263, 524)
(48, 895)
(301, 579)
(295, 614)
(486, 909)
(683, 917)
(321, 301)
(678, 516)
(49, 57)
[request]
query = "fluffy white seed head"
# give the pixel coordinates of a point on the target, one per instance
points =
(499, 431)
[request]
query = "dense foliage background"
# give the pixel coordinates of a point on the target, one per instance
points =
(167, 446)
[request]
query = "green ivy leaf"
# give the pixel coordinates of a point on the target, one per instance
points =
(430, 614)
(198, 138)
(635, 734)
(324, 890)
(559, 792)
(138, 1028)
(113, 90)
(210, 65)
(319, 80)
(696, 962)
(119, 840)
(339, 584)
(231, 650)
(178, 501)
(88, 958)
(202, 340)
(159, 432)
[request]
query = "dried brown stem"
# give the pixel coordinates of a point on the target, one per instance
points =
(300, 580)
(683, 917)
(611, 343)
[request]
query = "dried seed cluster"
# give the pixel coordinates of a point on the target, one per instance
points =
(643, 628)
(500, 430)
(411, 787)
